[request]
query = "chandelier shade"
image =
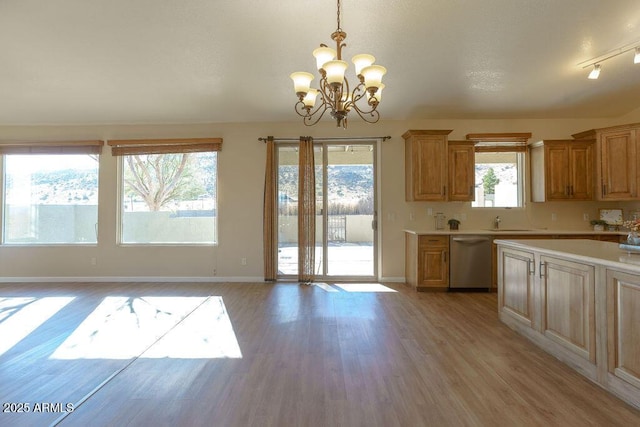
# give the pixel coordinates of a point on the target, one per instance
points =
(334, 89)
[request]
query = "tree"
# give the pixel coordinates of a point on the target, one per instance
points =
(160, 178)
(489, 182)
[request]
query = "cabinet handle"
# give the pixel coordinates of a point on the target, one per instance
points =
(444, 190)
(541, 266)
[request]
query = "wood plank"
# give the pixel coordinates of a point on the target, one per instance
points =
(308, 357)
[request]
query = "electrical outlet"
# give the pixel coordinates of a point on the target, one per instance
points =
(430, 211)
(215, 271)
(554, 217)
(243, 261)
(412, 216)
(585, 217)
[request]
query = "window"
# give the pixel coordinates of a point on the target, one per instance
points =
(168, 191)
(499, 180)
(499, 167)
(50, 198)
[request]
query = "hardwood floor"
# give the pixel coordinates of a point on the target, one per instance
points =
(279, 355)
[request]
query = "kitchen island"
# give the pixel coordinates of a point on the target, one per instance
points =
(579, 300)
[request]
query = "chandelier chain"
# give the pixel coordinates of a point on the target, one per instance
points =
(338, 13)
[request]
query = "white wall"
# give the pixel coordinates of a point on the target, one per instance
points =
(241, 170)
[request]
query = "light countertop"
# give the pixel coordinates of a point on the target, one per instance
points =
(544, 232)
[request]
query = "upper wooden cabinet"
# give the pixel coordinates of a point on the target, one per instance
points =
(617, 158)
(462, 171)
(437, 170)
(562, 170)
(425, 165)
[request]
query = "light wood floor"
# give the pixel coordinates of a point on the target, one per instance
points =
(280, 355)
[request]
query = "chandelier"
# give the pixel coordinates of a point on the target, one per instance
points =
(334, 90)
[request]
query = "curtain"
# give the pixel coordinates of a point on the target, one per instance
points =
(306, 211)
(269, 214)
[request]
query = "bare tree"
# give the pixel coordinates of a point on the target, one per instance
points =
(156, 178)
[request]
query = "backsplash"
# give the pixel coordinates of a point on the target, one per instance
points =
(550, 215)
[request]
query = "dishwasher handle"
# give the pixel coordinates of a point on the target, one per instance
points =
(470, 240)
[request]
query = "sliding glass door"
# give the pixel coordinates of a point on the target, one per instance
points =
(345, 210)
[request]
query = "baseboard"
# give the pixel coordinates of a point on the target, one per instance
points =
(392, 280)
(118, 279)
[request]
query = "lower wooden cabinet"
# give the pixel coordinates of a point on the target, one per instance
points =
(516, 292)
(427, 261)
(623, 329)
(567, 312)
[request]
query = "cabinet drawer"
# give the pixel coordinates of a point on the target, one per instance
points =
(429, 241)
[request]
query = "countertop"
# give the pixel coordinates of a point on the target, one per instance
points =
(520, 231)
(589, 251)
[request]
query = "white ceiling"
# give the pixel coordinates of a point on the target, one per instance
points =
(187, 61)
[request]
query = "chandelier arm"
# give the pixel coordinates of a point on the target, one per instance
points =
(375, 115)
(309, 119)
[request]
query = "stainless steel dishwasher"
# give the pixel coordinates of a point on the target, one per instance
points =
(470, 262)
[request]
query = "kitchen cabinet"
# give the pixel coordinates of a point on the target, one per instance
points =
(462, 171)
(517, 268)
(567, 305)
(426, 165)
(617, 158)
(623, 343)
(427, 261)
(562, 170)
(436, 169)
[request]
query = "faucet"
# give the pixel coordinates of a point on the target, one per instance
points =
(496, 222)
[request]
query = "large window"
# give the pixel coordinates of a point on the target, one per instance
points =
(50, 199)
(168, 197)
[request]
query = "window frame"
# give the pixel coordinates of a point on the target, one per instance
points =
(505, 143)
(121, 148)
(45, 148)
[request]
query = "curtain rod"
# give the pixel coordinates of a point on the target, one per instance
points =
(362, 138)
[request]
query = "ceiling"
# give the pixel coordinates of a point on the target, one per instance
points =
(198, 61)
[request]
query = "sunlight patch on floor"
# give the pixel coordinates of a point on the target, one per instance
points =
(21, 316)
(325, 287)
(125, 327)
(364, 287)
(205, 334)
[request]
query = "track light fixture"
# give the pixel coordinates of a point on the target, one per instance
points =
(595, 73)
(596, 62)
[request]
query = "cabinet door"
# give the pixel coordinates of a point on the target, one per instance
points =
(461, 171)
(516, 271)
(433, 261)
(434, 270)
(623, 326)
(427, 167)
(581, 170)
(568, 305)
(618, 165)
(557, 172)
